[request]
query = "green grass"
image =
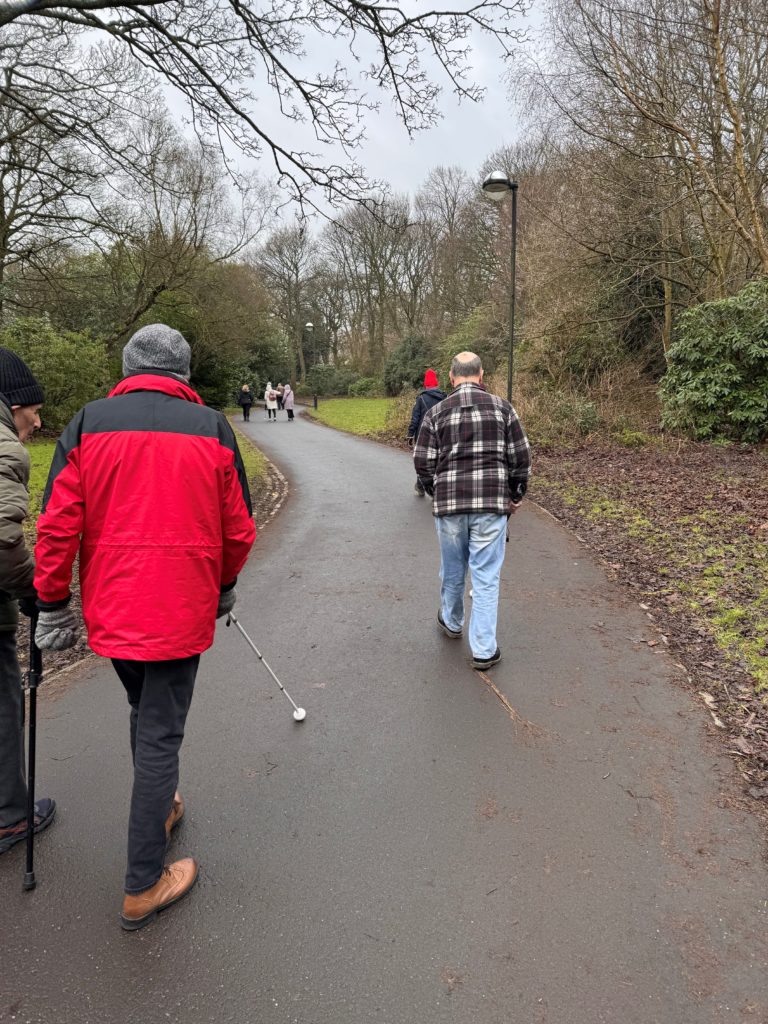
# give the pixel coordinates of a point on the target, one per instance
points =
(40, 455)
(365, 416)
(254, 461)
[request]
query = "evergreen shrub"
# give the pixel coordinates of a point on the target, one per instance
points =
(72, 367)
(406, 365)
(366, 387)
(329, 380)
(717, 381)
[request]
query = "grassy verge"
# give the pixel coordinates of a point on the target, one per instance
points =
(364, 416)
(40, 455)
(254, 461)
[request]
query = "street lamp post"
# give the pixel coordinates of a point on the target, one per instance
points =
(497, 185)
(308, 329)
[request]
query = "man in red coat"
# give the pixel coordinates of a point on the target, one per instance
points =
(148, 487)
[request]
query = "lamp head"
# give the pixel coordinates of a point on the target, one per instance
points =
(497, 184)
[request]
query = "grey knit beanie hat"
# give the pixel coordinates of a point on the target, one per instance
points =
(157, 347)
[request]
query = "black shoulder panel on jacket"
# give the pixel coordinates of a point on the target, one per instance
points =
(150, 411)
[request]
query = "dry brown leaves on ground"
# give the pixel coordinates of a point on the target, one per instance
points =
(685, 527)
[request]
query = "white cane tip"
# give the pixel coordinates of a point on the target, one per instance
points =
(299, 714)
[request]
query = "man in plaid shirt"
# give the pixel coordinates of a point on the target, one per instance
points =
(473, 457)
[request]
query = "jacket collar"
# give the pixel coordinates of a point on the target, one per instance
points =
(157, 381)
(6, 414)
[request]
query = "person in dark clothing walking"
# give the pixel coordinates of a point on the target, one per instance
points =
(149, 487)
(245, 399)
(430, 396)
(20, 400)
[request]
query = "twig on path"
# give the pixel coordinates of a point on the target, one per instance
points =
(534, 731)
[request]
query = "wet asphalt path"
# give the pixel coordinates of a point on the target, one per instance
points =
(410, 854)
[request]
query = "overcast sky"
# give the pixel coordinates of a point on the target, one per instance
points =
(465, 136)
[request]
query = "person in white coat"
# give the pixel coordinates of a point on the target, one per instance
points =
(288, 401)
(270, 401)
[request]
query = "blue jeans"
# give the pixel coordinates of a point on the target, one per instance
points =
(478, 541)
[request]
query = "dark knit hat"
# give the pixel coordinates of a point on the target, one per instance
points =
(430, 379)
(157, 347)
(17, 382)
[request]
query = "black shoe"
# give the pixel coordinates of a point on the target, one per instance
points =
(483, 663)
(45, 812)
(454, 634)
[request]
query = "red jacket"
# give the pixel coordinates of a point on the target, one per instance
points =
(149, 485)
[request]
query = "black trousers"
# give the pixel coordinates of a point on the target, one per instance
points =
(160, 693)
(13, 788)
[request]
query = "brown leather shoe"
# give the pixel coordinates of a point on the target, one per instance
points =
(176, 881)
(177, 813)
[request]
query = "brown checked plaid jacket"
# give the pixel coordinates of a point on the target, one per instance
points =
(472, 454)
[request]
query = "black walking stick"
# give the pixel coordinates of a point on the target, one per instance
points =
(34, 678)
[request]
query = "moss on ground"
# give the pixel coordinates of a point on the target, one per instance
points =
(708, 558)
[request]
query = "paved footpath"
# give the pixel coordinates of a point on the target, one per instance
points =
(413, 853)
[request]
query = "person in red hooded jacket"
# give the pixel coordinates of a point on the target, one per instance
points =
(148, 486)
(430, 396)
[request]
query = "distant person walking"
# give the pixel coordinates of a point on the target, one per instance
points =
(280, 390)
(20, 400)
(430, 396)
(288, 401)
(270, 401)
(473, 457)
(245, 399)
(148, 487)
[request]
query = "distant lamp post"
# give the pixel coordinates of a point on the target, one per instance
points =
(497, 185)
(308, 328)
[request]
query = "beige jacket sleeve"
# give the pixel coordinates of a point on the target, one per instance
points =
(16, 563)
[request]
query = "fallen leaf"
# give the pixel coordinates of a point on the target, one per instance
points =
(743, 745)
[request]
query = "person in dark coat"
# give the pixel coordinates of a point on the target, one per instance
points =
(430, 396)
(20, 400)
(149, 487)
(245, 399)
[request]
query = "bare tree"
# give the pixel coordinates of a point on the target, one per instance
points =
(288, 263)
(213, 50)
(653, 122)
(47, 173)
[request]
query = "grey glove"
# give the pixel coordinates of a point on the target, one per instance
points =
(227, 600)
(56, 629)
